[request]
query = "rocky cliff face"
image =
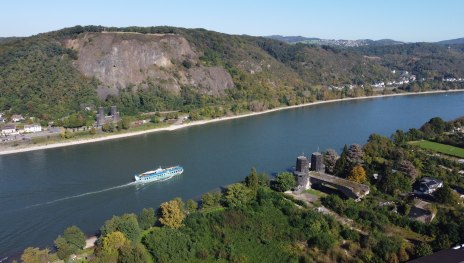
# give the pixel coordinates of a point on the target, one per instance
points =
(119, 60)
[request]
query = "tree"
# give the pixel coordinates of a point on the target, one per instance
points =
(394, 184)
(399, 138)
(71, 242)
(169, 245)
(127, 224)
(408, 169)
(330, 159)
(35, 255)
(172, 214)
(108, 127)
(284, 182)
(358, 174)
(75, 237)
(252, 181)
(111, 246)
(263, 180)
(423, 249)
(63, 249)
(341, 163)
(125, 123)
(191, 206)
(446, 195)
(238, 195)
(209, 200)
(354, 156)
(155, 119)
(146, 218)
(133, 254)
(324, 241)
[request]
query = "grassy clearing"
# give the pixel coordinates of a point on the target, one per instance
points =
(315, 192)
(441, 148)
(406, 233)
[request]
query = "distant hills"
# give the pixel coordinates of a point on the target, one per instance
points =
(457, 41)
(352, 43)
(144, 69)
(335, 42)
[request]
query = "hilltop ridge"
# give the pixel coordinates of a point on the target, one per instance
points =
(144, 69)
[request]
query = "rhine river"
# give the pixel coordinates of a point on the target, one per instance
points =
(43, 192)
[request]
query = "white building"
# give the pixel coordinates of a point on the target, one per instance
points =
(16, 118)
(32, 128)
(8, 129)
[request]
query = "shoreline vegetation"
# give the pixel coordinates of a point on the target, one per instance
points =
(173, 127)
(260, 219)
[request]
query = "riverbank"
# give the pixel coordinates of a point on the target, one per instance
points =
(174, 127)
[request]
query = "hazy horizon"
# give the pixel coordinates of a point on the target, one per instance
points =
(409, 21)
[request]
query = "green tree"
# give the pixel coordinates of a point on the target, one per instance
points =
(191, 206)
(169, 245)
(108, 127)
(172, 214)
(252, 180)
(146, 218)
(284, 181)
(394, 183)
(133, 253)
(35, 255)
(324, 241)
(63, 249)
(111, 246)
(127, 224)
(71, 242)
(212, 199)
(125, 123)
(446, 195)
(263, 180)
(423, 249)
(341, 163)
(155, 119)
(238, 195)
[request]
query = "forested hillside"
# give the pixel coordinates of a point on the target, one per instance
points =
(426, 60)
(142, 69)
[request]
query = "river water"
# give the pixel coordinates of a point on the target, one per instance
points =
(43, 192)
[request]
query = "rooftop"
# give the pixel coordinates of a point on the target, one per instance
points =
(359, 189)
(452, 255)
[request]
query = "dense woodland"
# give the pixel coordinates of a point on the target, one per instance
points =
(38, 77)
(254, 221)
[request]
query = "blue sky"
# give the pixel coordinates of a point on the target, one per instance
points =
(406, 20)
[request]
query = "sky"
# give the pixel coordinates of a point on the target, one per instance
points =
(404, 20)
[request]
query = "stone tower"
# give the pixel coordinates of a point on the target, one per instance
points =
(317, 162)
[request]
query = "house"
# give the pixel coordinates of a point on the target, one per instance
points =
(8, 129)
(427, 186)
(32, 128)
(2, 120)
(17, 118)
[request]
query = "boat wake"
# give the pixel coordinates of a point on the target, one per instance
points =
(81, 195)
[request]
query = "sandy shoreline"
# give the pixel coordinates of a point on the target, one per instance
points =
(202, 122)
